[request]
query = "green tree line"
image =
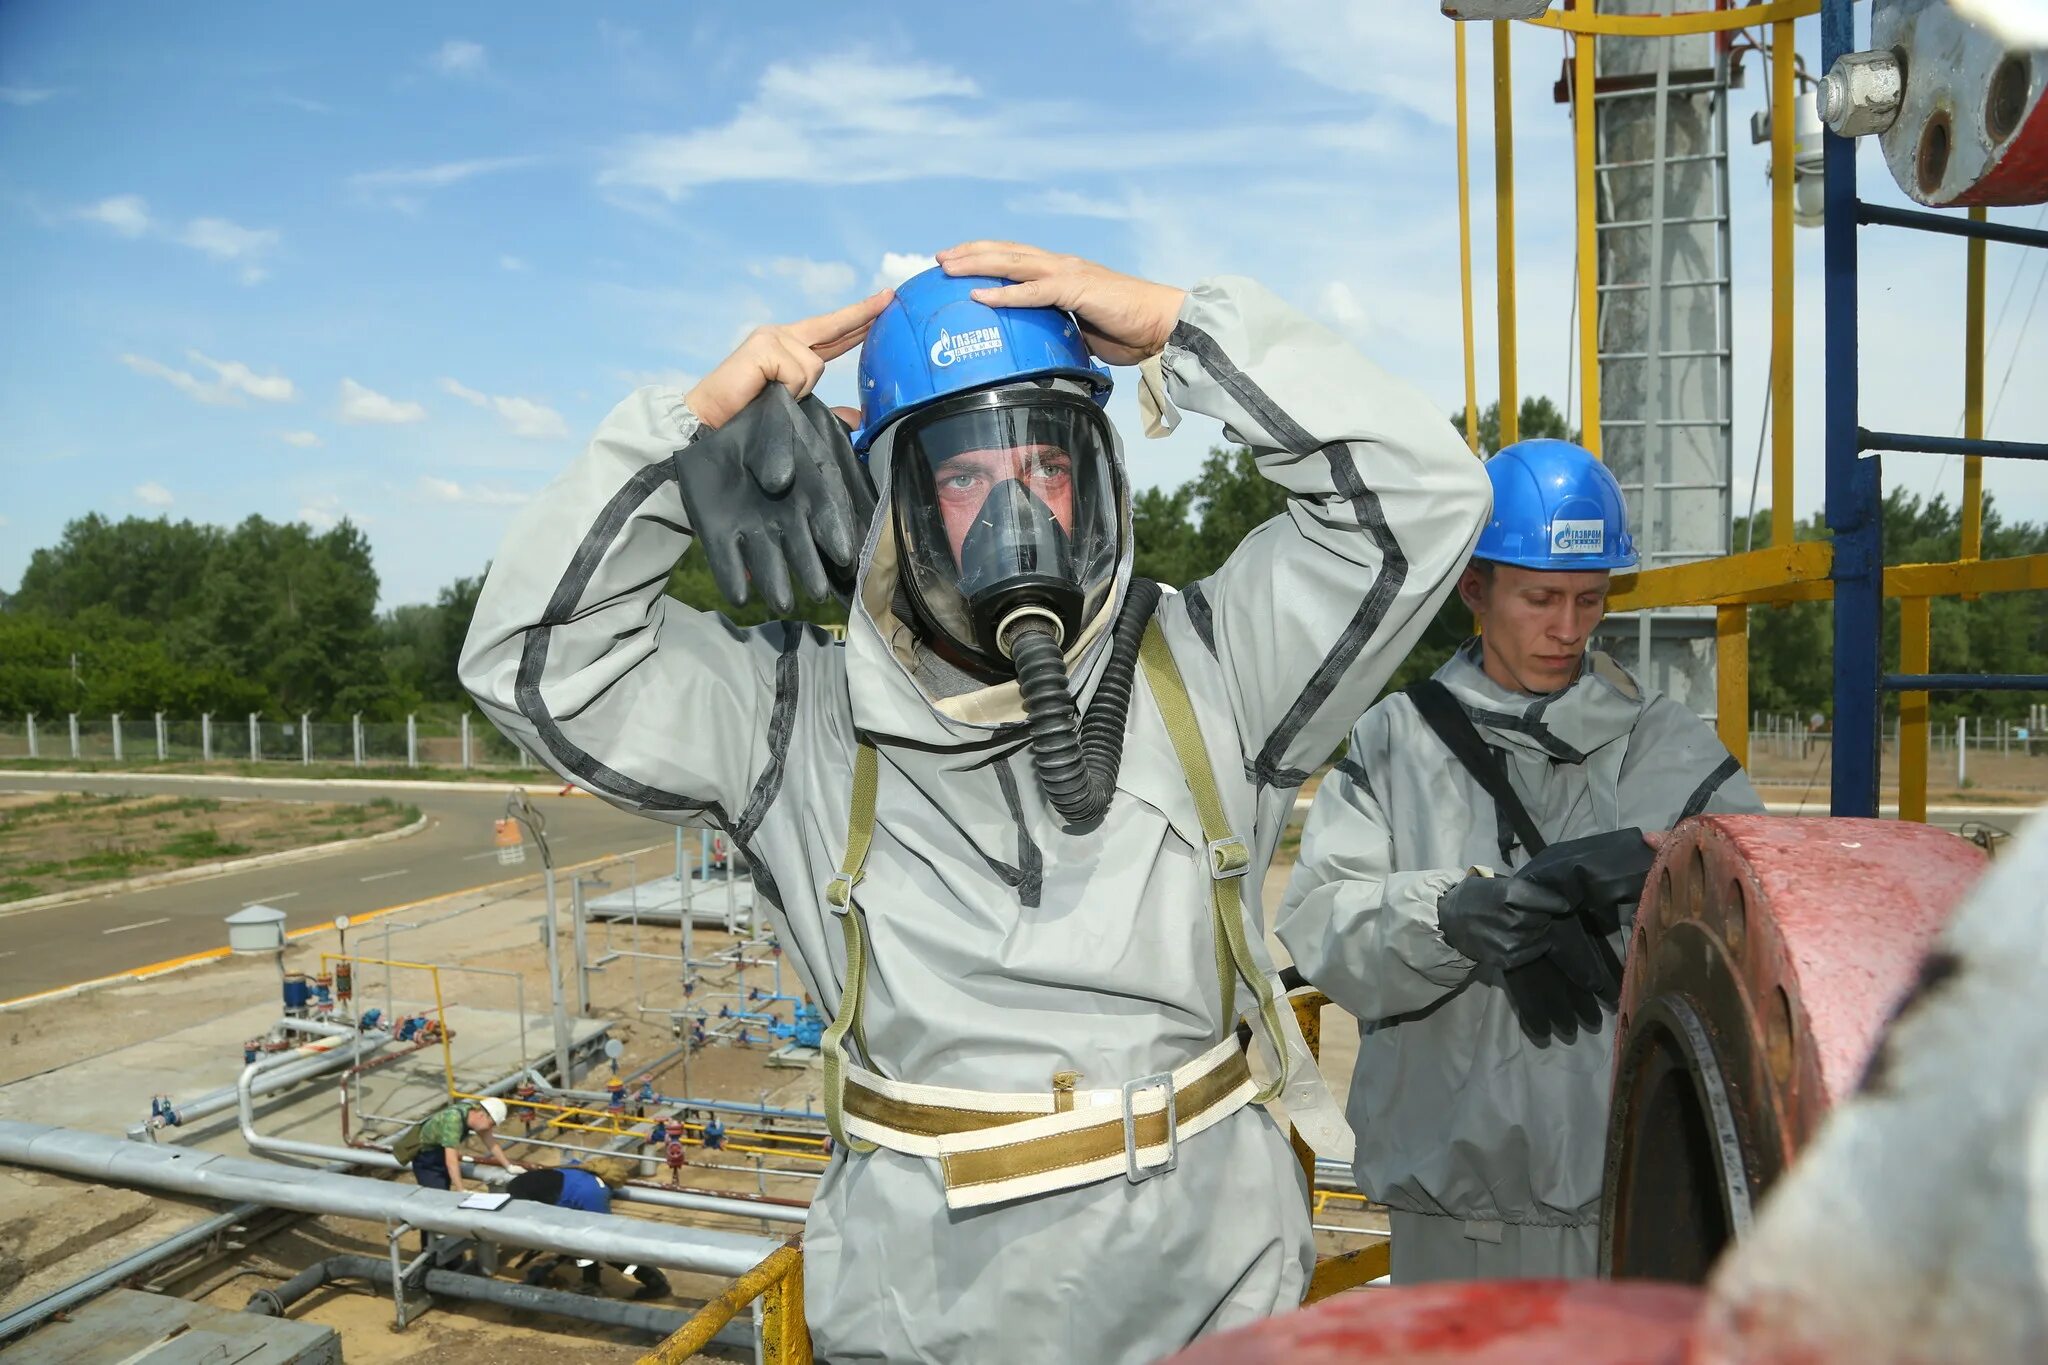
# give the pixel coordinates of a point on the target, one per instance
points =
(145, 615)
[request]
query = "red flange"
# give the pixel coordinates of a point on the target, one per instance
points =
(1502, 1322)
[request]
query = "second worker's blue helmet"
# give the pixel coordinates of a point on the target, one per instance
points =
(934, 341)
(1555, 507)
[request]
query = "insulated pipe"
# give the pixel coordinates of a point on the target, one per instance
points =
(452, 1284)
(279, 1071)
(524, 1223)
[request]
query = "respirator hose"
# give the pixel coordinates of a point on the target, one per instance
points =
(1077, 760)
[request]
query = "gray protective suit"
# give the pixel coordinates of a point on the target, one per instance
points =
(1487, 1147)
(1003, 948)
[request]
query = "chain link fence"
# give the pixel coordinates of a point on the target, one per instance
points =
(469, 742)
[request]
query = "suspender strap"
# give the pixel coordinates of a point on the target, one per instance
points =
(1442, 713)
(860, 835)
(1229, 857)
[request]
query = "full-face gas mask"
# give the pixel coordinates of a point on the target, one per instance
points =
(1007, 506)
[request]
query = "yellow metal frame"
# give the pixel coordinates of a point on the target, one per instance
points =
(1788, 570)
(778, 1282)
(440, 1006)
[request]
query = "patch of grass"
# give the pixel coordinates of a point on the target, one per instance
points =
(16, 890)
(40, 869)
(202, 845)
(68, 804)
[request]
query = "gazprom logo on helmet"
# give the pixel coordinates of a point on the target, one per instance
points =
(1577, 537)
(952, 346)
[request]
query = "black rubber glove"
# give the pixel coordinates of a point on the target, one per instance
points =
(1577, 946)
(1499, 921)
(1548, 1005)
(778, 491)
(1601, 874)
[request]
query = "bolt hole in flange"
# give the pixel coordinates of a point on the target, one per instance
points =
(2007, 98)
(1778, 1035)
(1932, 163)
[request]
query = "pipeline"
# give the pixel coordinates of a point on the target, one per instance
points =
(279, 1071)
(453, 1284)
(209, 1175)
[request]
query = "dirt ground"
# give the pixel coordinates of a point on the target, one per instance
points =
(61, 843)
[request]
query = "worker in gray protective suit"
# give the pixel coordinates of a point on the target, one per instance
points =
(1012, 868)
(1468, 877)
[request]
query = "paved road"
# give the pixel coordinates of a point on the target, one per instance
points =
(45, 949)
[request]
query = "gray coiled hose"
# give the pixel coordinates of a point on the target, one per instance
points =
(1076, 759)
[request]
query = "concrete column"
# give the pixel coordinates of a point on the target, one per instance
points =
(74, 734)
(305, 740)
(465, 741)
(162, 746)
(1962, 749)
(33, 752)
(356, 728)
(255, 749)
(117, 736)
(206, 736)
(412, 741)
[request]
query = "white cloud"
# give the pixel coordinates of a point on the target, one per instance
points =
(1069, 204)
(522, 416)
(815, 279)
(231, 382)
(898, 266)
(302, 439)
(1341, 307)
(852, 118)
(460, 57)
(21, 96)
(127, 214)
(322, 511)
(366, 406)
(154, 494)
(470, 495)
(300, 102)
(404, 187)
(514, 264)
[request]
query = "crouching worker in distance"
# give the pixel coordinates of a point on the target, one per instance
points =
(1468, 879)
(1012, 867)
(585, 1184)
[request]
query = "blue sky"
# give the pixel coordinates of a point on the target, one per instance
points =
(394, 262)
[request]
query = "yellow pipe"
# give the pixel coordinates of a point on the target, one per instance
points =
(1731, 679)
(1465, 249)
(1783, 100)
(1676, 25)
(694, 1335)
(1973, 397)
(1589, 244)
(1504, 225)
(1915, 618)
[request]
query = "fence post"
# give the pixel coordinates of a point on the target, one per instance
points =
(117, 736)
(74, 734)
(32, 750)
(162, 748)
(412, 740)
(1962, 749)
(255, 750)
(206, 736)
(465, 741)
(356, 729)
(305, 739)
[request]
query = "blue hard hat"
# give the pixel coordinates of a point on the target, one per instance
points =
(933, 341)
(1555, 507)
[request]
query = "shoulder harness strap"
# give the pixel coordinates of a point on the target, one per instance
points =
(1229, 857)
(860, 835)
(1442, 713)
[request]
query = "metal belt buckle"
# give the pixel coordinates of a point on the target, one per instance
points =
(1162, 1082)
(839, 893)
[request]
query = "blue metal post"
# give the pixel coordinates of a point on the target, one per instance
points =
(1854, 497)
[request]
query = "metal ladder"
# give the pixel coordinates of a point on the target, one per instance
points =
(1651, 486)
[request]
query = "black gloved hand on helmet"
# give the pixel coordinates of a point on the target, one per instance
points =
(1500, 921)
(1601, 874)
(775, 492)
